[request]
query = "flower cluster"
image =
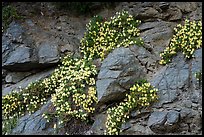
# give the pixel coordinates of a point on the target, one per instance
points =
(75, 93)
(187, 39)
(27, 100)
(142, 94)
(103, 36)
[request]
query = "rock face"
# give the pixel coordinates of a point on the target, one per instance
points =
(175, 111)
(19, 52)
(34, 123)
(48, 53)
(164, 121)
(15, 77)
(29, 46)
(39, 41)
(118, 71)
(23, 83)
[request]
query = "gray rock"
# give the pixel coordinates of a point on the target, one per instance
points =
(172, 117)
(15, 30)
(186, 6)
(98, 127)
(24, 83)
(137, 129)
(196, 14)
(125, 126)
(15, 77)
(19, 50)
(156, 121)
(185, 112)
(147, 12)
(117, 73)
(157, 118)
(19, 56)
(187, 103)
(48, 53)
(34, 123)
(157, 34)
(195, 97)
(139, 113)
(173, 77)
(27, 45)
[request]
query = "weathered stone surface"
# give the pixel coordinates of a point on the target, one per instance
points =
(175, 76)
(125, 126)
(175, 13)
(146, 13)
(196, 97)
(27, 81)
(48, 53)
(14, 77)
(172, 117)
(138, 129)
(118, 72)
(157, 119)
(27, 46)
(186, 6)
(156, 34)
(179, 108)
(31, 124)
(98, 127)
(196, 14)
(19, 56)
(164, 121)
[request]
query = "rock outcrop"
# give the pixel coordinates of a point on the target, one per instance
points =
(118, 71)
(31, 50)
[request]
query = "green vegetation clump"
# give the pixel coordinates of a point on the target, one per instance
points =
(8, 125)
(104, 36)
(187, 39)
(18, 104)
(75, 95)
(27, 100)
(142, 94)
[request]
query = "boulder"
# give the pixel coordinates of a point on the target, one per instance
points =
(172, 117)
(164, 121)
(117, 74)
(157, 120)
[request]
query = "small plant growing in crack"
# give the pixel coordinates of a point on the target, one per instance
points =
(198, 76)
